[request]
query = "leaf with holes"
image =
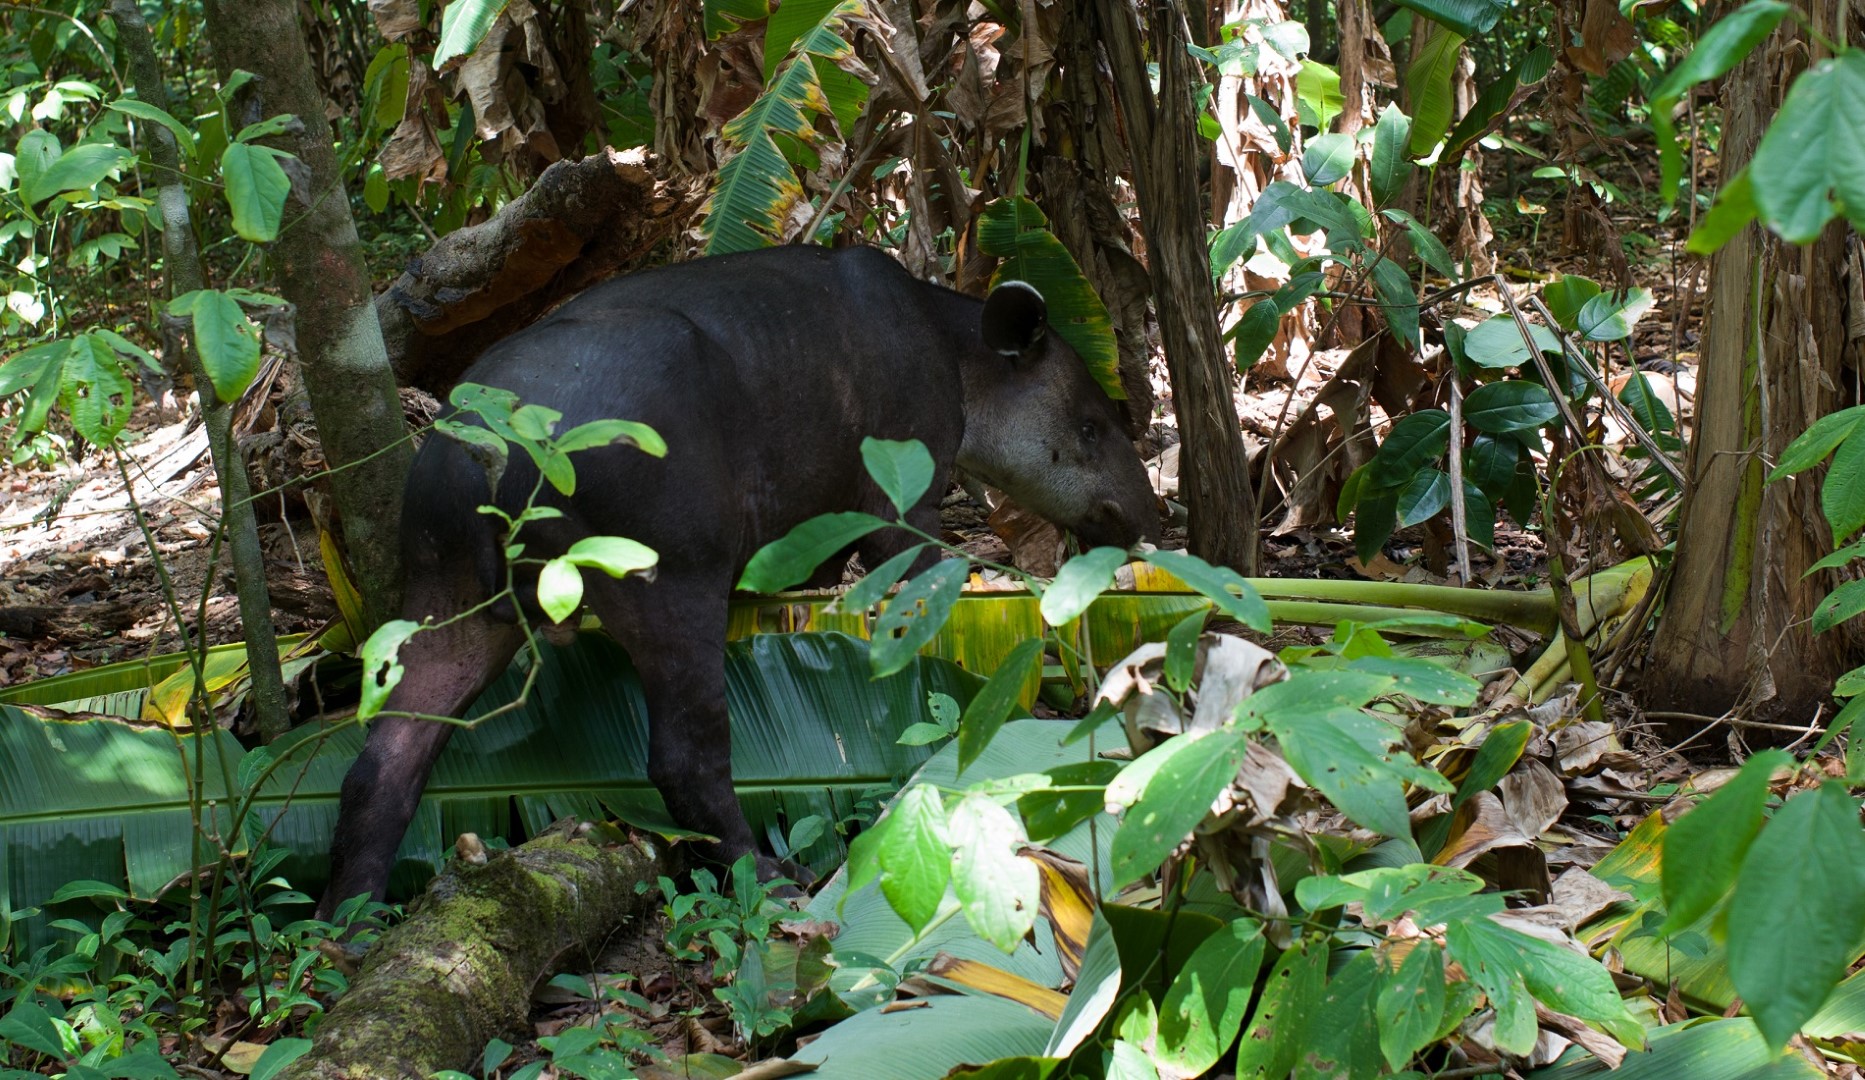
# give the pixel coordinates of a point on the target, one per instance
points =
(915, 614)
(95, 392)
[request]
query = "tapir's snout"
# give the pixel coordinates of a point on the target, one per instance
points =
(1121, 522)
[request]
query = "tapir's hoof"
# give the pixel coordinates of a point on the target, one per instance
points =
(793, 880)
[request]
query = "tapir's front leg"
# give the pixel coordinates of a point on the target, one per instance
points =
(674, 631)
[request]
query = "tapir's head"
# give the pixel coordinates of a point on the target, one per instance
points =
(1039, 428)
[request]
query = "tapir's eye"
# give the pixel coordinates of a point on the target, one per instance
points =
(1087, 430)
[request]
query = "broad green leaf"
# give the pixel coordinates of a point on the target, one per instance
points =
(1423, 496)
(1566, 295)
(1318, 98)
(1205, 1006)
(1494, 100)
(783, 563)
(999, 890)
(1391, 163)
(1843, 603)
(1733, 209)
(1375, 515)
(1255, 331)
(1607, 317)
(1327, 159)
(77, 169)
(1174, 801)
(1429, 248)
(867, 592)
(228, 343)
(32, 155)
(1489, 463)
(1052, 812)
(1271, 118)
(1079, 582)
(1278, 1031)
(1497, 343)
(1810, 165)
(142, 110)
(1422, 680)
(609, 432)
(988, 711)
(1343, 1040)
(1509, 405)
(1410, 1003)
(1650, 412)
(256, 189)
(1798, 912)
(1501, 749)
(1467, 17)
(1720, 49)
(95, 392)
(1016, 231)
(1328, 751)
(1182, 650)
(615, 556)
(1842, 494)
(1705, 847)
(1428, 81)
(280, 1053)
(27, 1024)
(914, 615)
(1414, 442)
(1398, 301)
(382, 671)
(26, 367)
(914, 861)
(463, 25)
(1505, 963)
(1817, 441)
(904, 470)
(1479, 516)
(1224, 587)
(1854, 550)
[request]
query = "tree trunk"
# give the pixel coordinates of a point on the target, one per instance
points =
(320, 268)
(182, 263)
(460, 971)
(1162, 132)
(1775, 342)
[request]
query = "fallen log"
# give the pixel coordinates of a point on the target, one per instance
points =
(461, 969)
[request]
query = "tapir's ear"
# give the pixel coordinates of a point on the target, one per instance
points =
(1015, 318)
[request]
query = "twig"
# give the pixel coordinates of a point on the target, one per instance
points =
(1459, 514)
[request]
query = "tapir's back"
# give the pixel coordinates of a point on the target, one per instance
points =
(763, 371)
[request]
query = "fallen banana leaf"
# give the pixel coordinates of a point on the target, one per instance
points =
(1710, 1049)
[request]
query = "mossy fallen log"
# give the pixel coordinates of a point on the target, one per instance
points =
(460, 970)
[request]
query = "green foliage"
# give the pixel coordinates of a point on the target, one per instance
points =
(1015, 230)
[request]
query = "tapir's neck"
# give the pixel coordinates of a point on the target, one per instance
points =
(983, 379)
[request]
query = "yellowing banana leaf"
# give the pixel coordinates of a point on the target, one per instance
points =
(929, 1038)
(106, 799)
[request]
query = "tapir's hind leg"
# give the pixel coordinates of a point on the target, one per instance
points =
(674, 631)
(444, 669)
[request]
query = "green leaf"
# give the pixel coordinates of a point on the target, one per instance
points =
(1346, 756)
(1854, 550)
(1054, 811)
(1318, 99)
(1798, 912)
(270, 126)
(1079, 583)
(904, 470)
(1016, 231)
(1497, 343)
(1645, 406)
(382, 670)
(1479, 516)
(1410, 1004)
(1428, 82)
(228, 343)
(1818, 441)
(1205, 1006)
(463, 25)
(1720, 49)
(1566, 295)
(1398, 301)
(1182, 650)
(1505, 962)
(94, 390)
(1423, 496)
(26, 367)
(1810, 165)
(1467, 17)
(1271, 118)
(1733, 209)
(609, 432)
(1327, 159)
(1490, 464)
(1255, 331)
(77, 169)
(988, 711)
(279, 1054)
(1175, 799)
(1375, 515)
(1842, 494)
(256, 189)
(1278, 1031)
(142, 110)
(1509, 405)
(1609, 318)
(1414, 442)
(1000, 892)
(915, 614)
(613, 555)
(914, 860)
(1705, 847)
(27, 1024)
(1216, 583)
(1495, 100)
(783, 563)
(1424, 242)
(1422, 680)
(1391, 166)
(1843, 603)
(867, 592)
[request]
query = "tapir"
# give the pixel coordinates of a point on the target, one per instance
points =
(763, 371)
